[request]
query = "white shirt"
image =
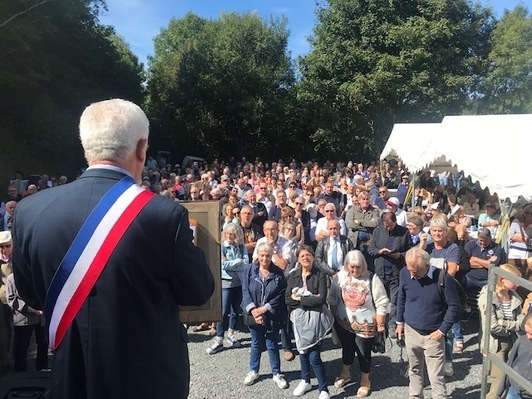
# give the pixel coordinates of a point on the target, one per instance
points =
(322, 225)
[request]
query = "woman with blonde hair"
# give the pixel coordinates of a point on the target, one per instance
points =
(288, 215)
(506, 321)
(234, 261)
(359, 304)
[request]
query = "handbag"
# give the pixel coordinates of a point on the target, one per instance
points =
(379, 343)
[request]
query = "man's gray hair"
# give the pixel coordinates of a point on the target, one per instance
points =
(421, 256)
(438, 222)
(264, 246)
(110, 130)
(484, 232)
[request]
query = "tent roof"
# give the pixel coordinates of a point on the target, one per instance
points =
(410, 141)
(492, 149)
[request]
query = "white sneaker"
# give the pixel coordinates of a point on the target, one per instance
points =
(324, 395)
(449, 371)
(233, 342)
(302, 388)
(250, 378)
(216, 347)
(280, 381)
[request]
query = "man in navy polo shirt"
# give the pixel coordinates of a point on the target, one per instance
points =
(483, 252)
(424, 317)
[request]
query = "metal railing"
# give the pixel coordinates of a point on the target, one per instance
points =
(489, 357)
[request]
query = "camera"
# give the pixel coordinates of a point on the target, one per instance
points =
(401, 341)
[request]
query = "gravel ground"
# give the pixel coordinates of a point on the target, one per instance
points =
(221, 375)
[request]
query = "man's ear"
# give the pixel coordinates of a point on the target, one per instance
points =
(140, 152)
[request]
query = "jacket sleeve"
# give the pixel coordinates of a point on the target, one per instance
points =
(452, 297)
(401, 297)
(371, 220)
(372, 249)
(350, 219)
(13, 299)
(247, 300)
(319, 252)
(290, 285)
(379, 296)
(276, 301)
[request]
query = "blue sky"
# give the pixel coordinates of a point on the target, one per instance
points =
(139, 21)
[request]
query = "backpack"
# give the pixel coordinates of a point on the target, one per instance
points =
(441, 287)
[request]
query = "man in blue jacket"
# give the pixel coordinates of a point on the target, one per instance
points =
(424, 317)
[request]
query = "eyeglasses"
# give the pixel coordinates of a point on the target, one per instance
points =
(289, 216)
(236, 212)
(329, 210)
(382, 192)
(5, 245)
(299, 203)
(292, 186)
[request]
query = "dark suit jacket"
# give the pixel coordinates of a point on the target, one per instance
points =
(322, 250)
(127, 340)
(401, 242)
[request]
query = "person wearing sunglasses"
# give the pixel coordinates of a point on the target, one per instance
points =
(330, 214)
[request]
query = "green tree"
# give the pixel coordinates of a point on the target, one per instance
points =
(56, 58)
(221, 87)
(507, 84)
(375, 63)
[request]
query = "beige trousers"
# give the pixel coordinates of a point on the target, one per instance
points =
(423, 351)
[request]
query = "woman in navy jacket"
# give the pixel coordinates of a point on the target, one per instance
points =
(263, 288)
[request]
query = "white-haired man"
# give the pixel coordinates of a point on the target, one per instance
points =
(124, 339)
(423, 319)
(330, 214)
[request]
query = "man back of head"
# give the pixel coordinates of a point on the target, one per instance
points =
(115, 132)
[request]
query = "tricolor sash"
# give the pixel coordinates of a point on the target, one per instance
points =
(87, 256)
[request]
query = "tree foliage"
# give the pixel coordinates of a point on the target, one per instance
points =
(56, 58)
(506, 86)
(377, 62)
(222, 87)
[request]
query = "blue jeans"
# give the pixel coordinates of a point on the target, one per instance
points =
(312, 358)
(286, 340)
(457, 332)
(260, 339)
(512, 393)
(449, 347)
(231, 300)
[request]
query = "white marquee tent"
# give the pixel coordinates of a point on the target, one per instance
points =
(492, 149)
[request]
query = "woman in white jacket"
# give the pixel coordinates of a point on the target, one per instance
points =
(359, 303)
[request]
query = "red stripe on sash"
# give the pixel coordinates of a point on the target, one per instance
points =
(99, 262)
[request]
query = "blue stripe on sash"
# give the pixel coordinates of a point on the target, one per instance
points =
(80, 242)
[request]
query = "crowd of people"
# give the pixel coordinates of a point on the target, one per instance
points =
(330, 244)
